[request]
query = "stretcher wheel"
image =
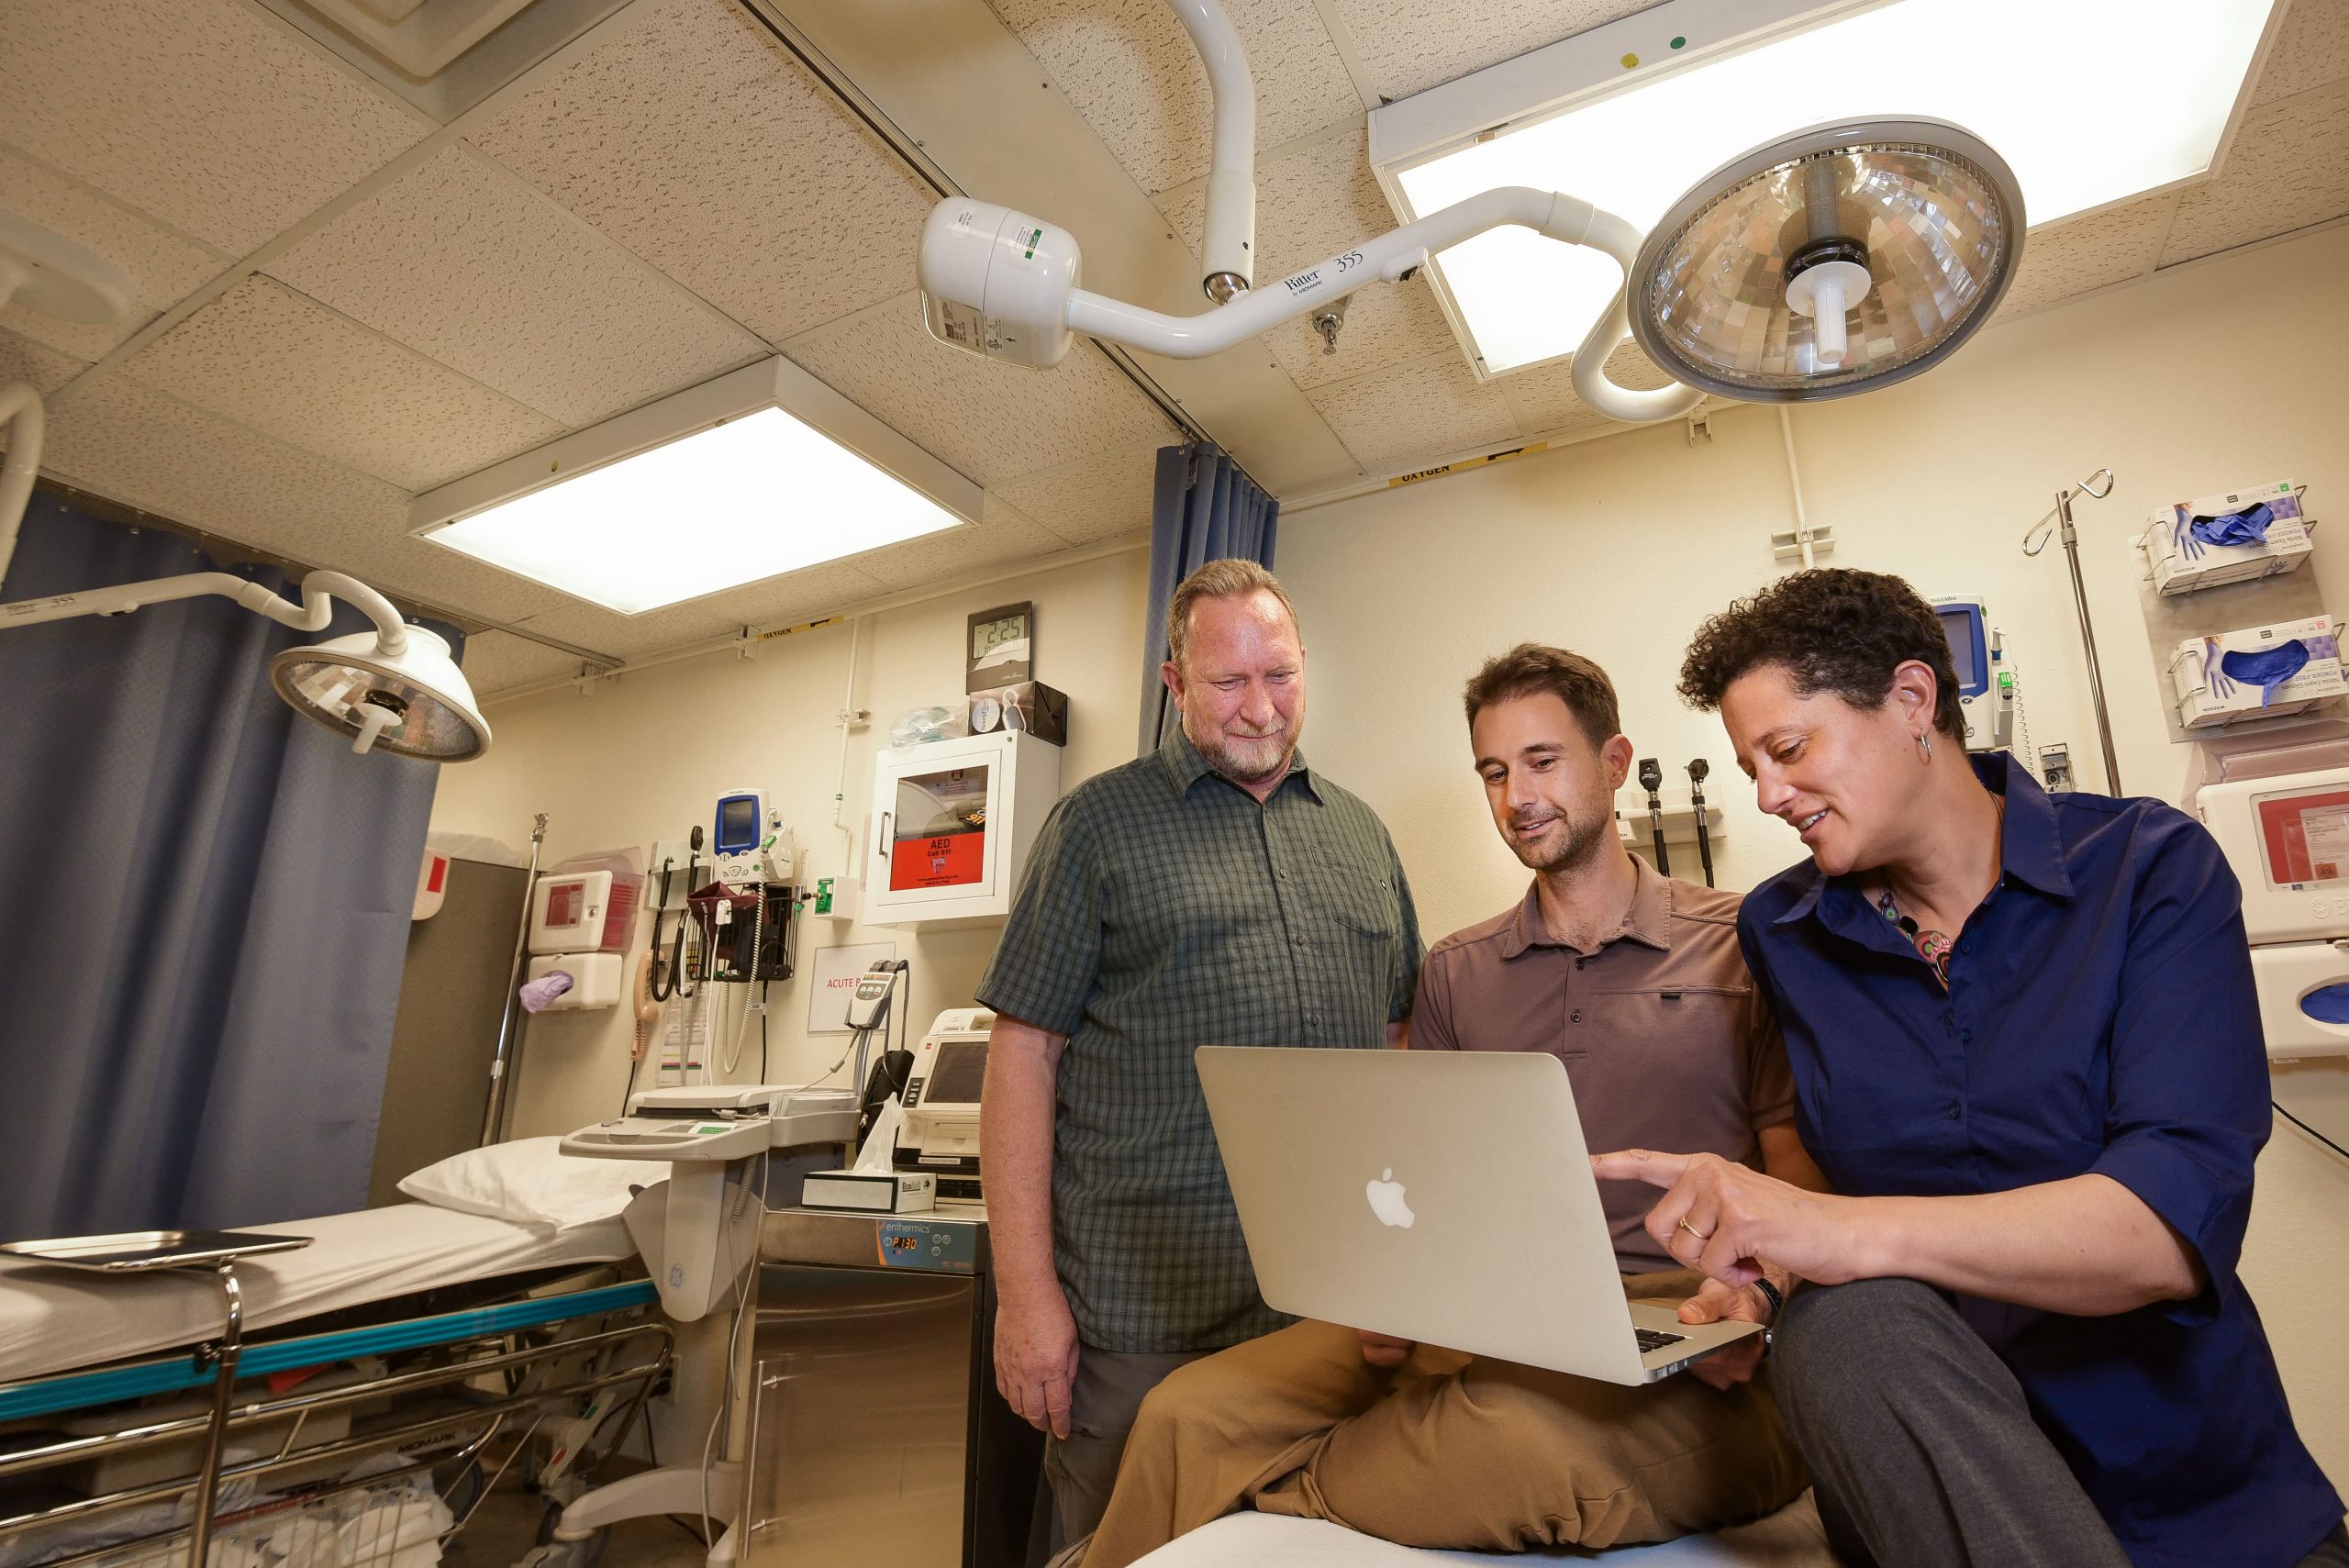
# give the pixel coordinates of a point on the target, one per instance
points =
(567, 1553)
(552, 1553)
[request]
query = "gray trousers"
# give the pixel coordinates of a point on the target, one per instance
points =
(1921, 1448)
(1082, 1468)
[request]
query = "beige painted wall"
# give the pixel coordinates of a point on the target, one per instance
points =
(647, 755)
(1617, 548)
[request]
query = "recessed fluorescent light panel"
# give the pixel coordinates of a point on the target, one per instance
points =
(2091, 103)
(757, 474)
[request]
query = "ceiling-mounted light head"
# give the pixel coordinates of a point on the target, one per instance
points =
(410, 700)
(997, 282)
(45, 272)
(1837, 260)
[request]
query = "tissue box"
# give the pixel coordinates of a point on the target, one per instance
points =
(2194, 673)
(871, 1191)
(2180, 564)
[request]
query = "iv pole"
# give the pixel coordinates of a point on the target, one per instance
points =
(2034, 539)
(492, 1124)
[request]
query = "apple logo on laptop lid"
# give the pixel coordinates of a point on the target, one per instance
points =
(1386, 1196)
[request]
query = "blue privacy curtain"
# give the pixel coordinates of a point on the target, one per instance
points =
(204, 907)
(1206, 508)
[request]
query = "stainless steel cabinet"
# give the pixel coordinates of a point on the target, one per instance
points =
(878, 1439)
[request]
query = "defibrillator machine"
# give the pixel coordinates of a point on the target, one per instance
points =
(941, 1101)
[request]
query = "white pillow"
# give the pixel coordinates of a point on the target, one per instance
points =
(530, 1182)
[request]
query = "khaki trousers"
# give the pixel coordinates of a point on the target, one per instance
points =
(1446, 1450)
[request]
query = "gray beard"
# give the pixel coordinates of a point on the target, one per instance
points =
(1226, 763)
(1576, 849)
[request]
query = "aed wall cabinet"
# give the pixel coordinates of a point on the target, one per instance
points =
(952, 823)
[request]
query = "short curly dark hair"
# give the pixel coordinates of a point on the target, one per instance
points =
(1834, 629)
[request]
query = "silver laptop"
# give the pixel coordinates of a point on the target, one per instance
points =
(1438, 1196)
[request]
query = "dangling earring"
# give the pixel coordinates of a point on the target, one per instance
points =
(1925, 747)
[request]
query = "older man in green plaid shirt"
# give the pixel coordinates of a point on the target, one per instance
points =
(1217, 892)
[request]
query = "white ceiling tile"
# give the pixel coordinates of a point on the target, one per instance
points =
(1414, 413)
(22, 358)
(1134, 74)
(463, 262)
(199, 112)
(2288, 168)
(1311, 203)
(660, 138)
(161, 265)
(2107, 248)
(1544, 397)
(1409, 46)
(498, 662)
(1003, 534)
(994, 422)
(135, 445)
(1095, 498)
(2310, 48)
(267, 357)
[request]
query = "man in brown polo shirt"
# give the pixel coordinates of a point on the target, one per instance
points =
(1634, 981)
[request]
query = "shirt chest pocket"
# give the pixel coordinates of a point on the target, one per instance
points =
(1363, 928)
(1687, 1035)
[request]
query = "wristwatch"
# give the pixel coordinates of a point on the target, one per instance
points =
(1778, 1305)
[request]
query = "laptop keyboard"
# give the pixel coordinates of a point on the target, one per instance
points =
(1656, 1338)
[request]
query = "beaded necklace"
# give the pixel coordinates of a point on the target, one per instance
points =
(1935, 947)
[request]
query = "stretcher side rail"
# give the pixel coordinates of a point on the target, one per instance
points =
(463, 1419)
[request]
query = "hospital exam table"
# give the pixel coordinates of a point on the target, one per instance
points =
(1791, 1538)
(378, 1365)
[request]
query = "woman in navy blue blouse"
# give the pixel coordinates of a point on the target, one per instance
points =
(2028, 1055)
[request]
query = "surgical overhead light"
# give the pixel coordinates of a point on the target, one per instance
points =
(2092, 103)
(1834, 261)
(1814, 266)
(395, 688)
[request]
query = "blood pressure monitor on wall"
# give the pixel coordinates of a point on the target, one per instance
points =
(1986, 688)
(749, 841)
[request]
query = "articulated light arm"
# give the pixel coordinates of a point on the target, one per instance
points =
(20, 412)
(1229, 252)
(319, 590)
(1001, 283)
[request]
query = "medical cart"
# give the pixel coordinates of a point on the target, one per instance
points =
(878, 1437)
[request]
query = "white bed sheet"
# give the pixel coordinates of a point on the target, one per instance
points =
(55, 1320)
(1791, 1538)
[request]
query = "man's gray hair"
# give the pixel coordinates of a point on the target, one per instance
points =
(1230, 578)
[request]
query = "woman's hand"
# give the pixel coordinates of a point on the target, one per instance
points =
(1385, 1349)
(1724, 1219)
(1716, 1303)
